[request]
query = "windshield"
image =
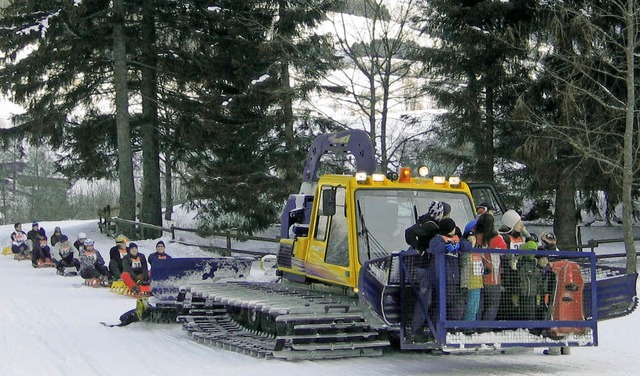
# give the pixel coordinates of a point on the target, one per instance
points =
(383, 215)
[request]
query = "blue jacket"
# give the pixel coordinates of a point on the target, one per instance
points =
(438, 245)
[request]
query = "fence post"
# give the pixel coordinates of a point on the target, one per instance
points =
(228, 240)
(173, 232)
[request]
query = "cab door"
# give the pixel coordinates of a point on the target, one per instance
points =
(328, 258)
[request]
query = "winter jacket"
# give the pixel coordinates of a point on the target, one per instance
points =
(55, 238)
(18, 237)
(420, 234)
(136, 266)
(491, 261)
(471, 270)
(90, 259)
(68, 254)
(157, 256)
(117, 256)
(438, 244)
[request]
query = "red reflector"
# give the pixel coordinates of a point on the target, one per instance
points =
(405, 175)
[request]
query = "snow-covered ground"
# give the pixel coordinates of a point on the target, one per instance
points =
(49, 325)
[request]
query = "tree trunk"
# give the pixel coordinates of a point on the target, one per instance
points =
(564, 220)
(485, 158)
(627, 175)
(125, 154)
(168, 186)
(151, 208)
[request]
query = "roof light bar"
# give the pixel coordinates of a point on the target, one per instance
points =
(423, 171)
(361, 176)
(378, 177)
(405, 175)
(439, 179)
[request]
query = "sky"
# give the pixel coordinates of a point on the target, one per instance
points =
(49, 325)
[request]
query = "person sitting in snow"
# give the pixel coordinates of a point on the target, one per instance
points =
(65, 255)
(41, 253)
(159, 254)
(92, 265)
(79, 243)
(55, 238)
(135, 270)
(116, 254)
(19, 244)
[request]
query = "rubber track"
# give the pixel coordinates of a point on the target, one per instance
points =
(303, 323)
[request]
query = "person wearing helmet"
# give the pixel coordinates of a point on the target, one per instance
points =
(92, 267)
(65, 255)
(135, 269)
(116, 254)
(79, 243)
(159, 254)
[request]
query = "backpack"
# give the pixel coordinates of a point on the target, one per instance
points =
(529, 276)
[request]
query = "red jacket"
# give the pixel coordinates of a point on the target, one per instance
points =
(491, 261)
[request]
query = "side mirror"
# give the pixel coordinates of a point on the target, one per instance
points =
(328, 202)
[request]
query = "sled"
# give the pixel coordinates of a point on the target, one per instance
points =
(6, 251)
(69, 271)
(168, 275)
(119, 287)
(21, 257)
(568, 298)
(96, 282)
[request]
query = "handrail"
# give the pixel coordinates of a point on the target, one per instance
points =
(228, 235)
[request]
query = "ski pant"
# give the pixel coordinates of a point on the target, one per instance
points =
(94, 271)
(22, 248)
(473, 304)
(425, 285)
(60, 265)
(39, 254)
(490, 302)
(115, 270)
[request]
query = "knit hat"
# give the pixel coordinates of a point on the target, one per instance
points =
(447, 226)
(446, 209)
(529, 246)
(548, 238)
(133, 245)
(34, 224)
(510, 218)
(435, 210)
(160, 243)
(64, 238)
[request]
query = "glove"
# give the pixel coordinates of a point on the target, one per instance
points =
(452, 247)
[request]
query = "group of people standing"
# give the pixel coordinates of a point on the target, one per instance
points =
(479, 286)
(126, 262)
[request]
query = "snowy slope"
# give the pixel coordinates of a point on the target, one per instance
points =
(49, 325)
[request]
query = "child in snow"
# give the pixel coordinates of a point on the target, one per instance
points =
(92, 264)
(116, 254)
(65, 255)
(19, 244)
(135, 269)
(41, 253)
(79, 243)
(55, 238)
(159, 254)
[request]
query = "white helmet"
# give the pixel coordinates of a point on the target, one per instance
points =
(88, 242)
(82, 235)
(510, 218)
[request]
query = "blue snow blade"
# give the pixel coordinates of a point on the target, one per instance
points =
(167, 276)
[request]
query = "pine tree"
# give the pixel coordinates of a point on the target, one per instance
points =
(475, 66)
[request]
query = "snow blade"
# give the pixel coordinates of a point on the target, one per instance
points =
(617, 296)
(168, 275)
